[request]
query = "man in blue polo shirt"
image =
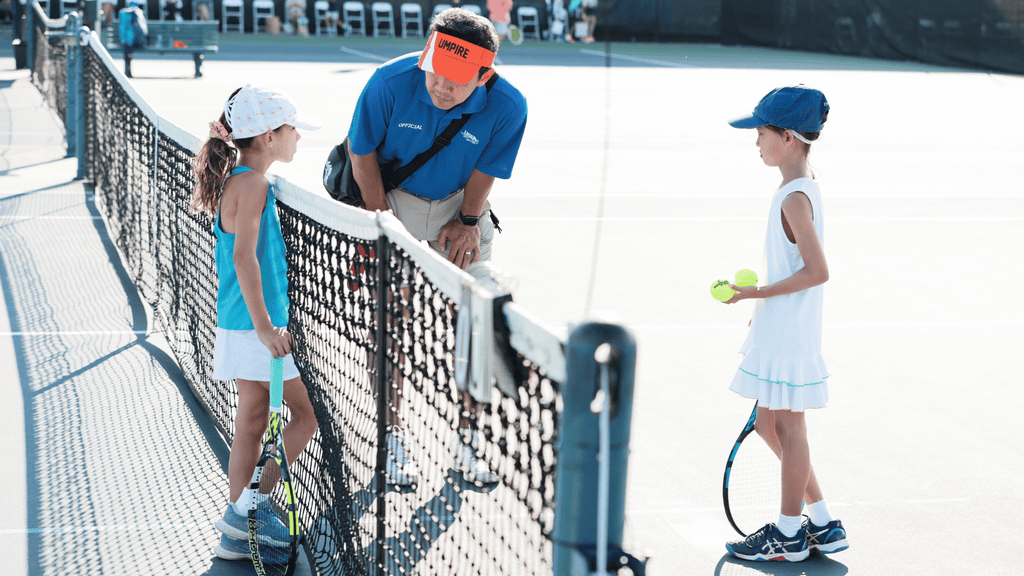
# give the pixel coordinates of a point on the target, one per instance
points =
(407, 103)
(411, 100)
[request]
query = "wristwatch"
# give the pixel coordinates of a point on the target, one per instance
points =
(468, 220)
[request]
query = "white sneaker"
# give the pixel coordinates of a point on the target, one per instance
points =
(399, 468)
(464, 458)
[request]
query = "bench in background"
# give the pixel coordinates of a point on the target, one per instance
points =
(197, 38)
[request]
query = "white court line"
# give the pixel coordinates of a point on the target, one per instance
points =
(745, 196)
(365, 54)
(76, 333)
(947, 324)
(67, 529)
(15, 217)
(49, 238)
(718, 508)
(761, 219)
(36, 193)
(6, 132)
(637, 59)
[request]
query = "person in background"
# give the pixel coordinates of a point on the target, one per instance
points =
(333, 16)
(296, 12)
(501, 16)
(590, 19)
(172, 10)
(203, 10)
(107, 10)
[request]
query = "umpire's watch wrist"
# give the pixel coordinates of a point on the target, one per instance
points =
(468, 220)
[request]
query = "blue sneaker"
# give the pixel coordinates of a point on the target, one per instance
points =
(826, 539)
(231, 549)
(770, 545)
(236, 526)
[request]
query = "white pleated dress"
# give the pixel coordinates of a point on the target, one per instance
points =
(782, 367)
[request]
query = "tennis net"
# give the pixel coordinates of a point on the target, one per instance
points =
(373, 316)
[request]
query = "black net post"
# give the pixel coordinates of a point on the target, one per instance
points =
(381, 385)
(594, 451)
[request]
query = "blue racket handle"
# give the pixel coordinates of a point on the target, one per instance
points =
(276, 383)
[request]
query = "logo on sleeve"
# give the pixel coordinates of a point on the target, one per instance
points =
(410, 126)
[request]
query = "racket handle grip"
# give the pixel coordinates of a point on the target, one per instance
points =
(276, 383)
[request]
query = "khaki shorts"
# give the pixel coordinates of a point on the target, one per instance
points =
(424, 218)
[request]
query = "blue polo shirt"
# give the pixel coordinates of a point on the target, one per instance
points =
(395, 108)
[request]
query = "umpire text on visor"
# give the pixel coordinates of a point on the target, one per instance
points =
(453, 58)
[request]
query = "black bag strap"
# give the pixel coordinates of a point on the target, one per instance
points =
(442, 141)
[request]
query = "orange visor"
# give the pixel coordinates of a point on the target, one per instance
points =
(455, 59)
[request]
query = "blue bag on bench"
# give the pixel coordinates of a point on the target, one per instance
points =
(133, 32)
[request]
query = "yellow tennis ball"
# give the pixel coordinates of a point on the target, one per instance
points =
(746, 278)
(721, 290)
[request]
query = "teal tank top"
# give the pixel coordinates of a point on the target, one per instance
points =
(232, 312)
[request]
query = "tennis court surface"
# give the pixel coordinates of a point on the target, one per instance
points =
(628, 175)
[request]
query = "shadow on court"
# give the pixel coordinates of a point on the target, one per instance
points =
(408, 545)
(123, 471)
(817, 564)
(95, 389)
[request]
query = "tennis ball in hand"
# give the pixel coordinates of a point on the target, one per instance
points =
(746, 278)
(721, 290)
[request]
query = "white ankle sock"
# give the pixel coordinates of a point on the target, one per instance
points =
(244, 501)
(242, 504)
(818, 513)
(788, 525)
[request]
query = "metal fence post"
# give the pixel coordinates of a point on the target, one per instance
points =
(76, 110)
(30, 35)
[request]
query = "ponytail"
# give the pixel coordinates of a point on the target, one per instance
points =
(212, 165)
(215, 161)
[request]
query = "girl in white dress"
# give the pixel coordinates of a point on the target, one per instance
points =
(782, 367)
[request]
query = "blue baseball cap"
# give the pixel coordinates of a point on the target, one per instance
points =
(791, 107)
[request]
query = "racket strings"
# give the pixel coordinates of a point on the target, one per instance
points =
(755, 485)
(270, 516)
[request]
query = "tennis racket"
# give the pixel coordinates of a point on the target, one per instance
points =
(273, 536)
(752, 488)
(514, 34)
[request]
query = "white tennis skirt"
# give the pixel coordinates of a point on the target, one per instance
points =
(240, 354)
(782, 383)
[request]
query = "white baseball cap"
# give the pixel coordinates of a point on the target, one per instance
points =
(255, 110)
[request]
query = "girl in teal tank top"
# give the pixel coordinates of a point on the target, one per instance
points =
(258, 127)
